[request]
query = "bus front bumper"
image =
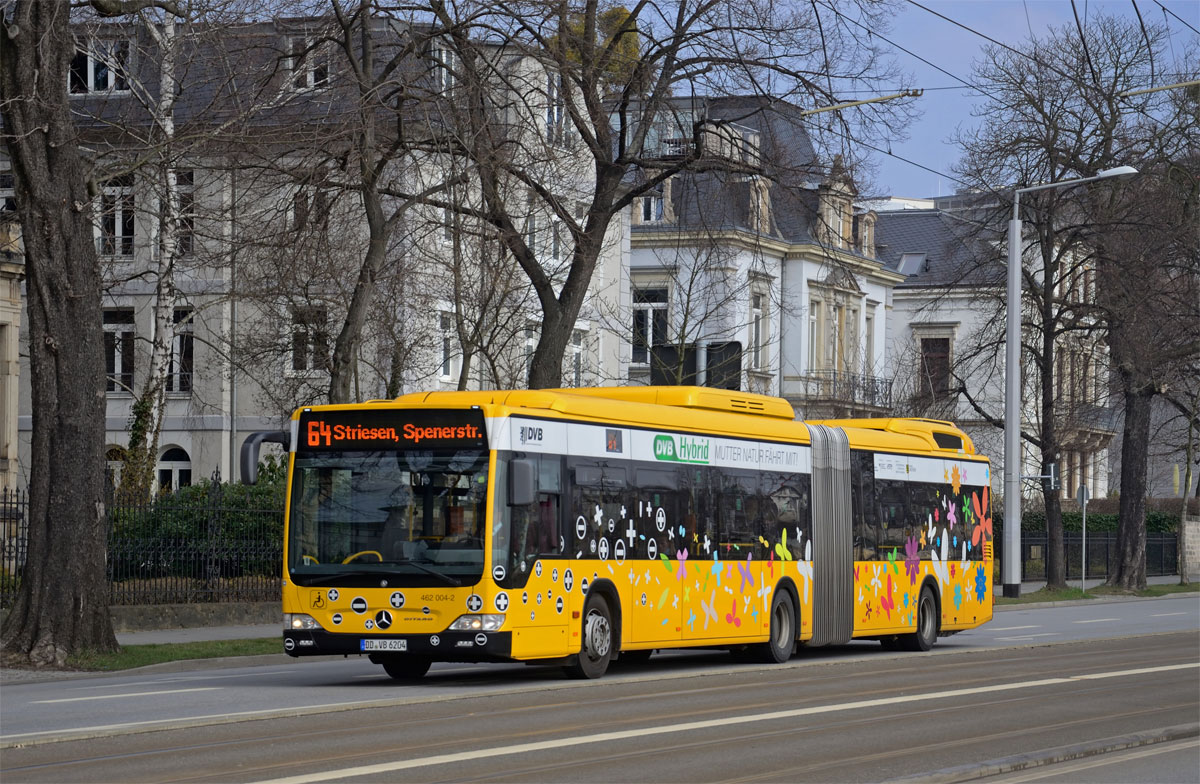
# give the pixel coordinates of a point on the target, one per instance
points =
(446, 646)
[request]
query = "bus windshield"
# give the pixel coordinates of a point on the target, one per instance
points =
(412, 518)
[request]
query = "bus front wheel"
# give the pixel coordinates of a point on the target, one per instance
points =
(406, 668)
(597, 648)
(927, 624)
(783, 630)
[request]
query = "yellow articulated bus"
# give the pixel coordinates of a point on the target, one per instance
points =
(577, 527)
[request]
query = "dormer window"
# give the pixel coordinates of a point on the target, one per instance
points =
(652, 208)
(309, 63)
(99, 67)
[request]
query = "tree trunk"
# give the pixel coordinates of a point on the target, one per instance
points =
(1188, 453)
(62, 603)
(1130, 570)
(1056, 571)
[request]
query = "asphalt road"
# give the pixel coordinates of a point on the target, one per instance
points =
(1030, 684)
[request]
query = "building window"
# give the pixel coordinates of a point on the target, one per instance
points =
(531, 235)
(179, 377)
(185, 236)
(310, 339)
(119, 339)
(444, 63)
(174, 470)
(10, 224)
(116, 217)
(556, 240)
(577, 358)
(309, 63)
(758, 328)
(102, 66)
(649, 322)
(869, 346)
(114, 462)
(814, 321)
(310, 208)
(531, 339)
(556, 109)
(935, 368)
(446, 324)
(652, 208)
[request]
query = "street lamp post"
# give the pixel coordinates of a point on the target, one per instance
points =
(1011, 569)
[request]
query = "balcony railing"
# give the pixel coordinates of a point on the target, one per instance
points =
(849, 388)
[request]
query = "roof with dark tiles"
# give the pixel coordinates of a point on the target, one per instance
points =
(957, 251)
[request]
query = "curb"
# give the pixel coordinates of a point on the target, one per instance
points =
(1036, 759)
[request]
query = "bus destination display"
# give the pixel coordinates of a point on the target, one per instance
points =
(394, 429)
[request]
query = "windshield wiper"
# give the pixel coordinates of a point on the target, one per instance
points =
(322, 579)
(433, 572)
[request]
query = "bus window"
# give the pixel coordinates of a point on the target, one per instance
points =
(597, 493)
(738, 504)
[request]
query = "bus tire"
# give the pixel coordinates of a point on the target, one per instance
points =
(596, 649)
(927, 624)
(779, 648)
(406, 668)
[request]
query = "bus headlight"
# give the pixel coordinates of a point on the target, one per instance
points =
(299, 622)
(477, 623)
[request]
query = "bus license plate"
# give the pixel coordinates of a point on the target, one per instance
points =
(384, 645)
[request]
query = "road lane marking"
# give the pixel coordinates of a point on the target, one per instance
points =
(180, 679)
(692, 726)
(1166, 615)
(1014, 628)
(127, 694)
(1098, 620)
(1027, 636)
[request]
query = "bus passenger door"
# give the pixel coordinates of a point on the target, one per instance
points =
(654, 535)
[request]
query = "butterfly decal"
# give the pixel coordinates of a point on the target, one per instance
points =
(886, 602)
(732, 616)
(744, 568)
(709, 608)
(781, 548)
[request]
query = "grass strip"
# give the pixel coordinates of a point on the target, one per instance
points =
(130, 656)
(1098, 591)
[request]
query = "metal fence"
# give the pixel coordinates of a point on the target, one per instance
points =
(170, 551)
(1162, 555)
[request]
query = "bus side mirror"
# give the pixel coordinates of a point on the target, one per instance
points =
(250, 447)
(522, 483)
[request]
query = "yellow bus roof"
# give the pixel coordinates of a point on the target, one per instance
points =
(690, 408)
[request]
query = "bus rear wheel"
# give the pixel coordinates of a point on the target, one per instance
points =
(927, 624)
(783, 631)
(406, 668)
(597, 647)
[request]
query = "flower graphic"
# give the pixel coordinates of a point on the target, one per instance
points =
(892, 561)
(980, 584)
(952, 515)
(983, 531)
(956, 479)
(958, 597)
(911, 559)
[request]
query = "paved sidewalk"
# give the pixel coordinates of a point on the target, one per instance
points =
(202, 634)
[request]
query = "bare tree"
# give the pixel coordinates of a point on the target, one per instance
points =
(564, 69)
(1149, 284)
(1054, 111)
(61, 606)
